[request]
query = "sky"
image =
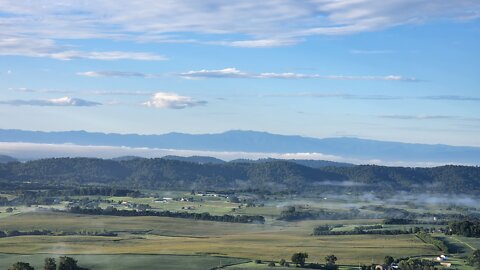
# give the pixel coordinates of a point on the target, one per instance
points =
(394, 70)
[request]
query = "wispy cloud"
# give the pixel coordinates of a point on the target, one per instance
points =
(417, 117)
(374, 97)
(235, 73)
(42, 91)
(164, 100)
(452, 98)
(108, 56)
(337, 95)
(114, 74)
(259, 43)
(50, 49)
(429, 117)
(63, 101)
(262, 23)
(371, 51)
(120, 93)
(91, 92)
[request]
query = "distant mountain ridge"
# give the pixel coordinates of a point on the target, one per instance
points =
(304, 162)
(6, 159)
(211, 160)
(196, 159)
(260, 142)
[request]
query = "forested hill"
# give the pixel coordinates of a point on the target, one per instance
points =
(275, 175)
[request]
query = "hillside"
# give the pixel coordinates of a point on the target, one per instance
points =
(6, 159)
(274, 175)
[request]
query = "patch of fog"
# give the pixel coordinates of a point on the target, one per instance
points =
(419, 199)
(349, 201)
(338, 183)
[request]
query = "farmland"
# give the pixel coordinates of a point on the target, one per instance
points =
(204, 240)
(176, 236)
(116, 228)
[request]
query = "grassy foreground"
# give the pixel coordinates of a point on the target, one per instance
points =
(129, 261)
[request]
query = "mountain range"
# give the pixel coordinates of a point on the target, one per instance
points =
(341, 148)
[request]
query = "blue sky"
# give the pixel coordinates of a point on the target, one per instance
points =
(400, 70)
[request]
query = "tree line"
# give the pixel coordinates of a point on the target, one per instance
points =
(64, 263)
(13, 233)
(465, 228)
(111, 211)
(429, 239)
(358, 230)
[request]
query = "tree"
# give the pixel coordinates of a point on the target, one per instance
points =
(299, 258)
(330, 259)
(388, 260)
(21, 266)
(282, 262)
(330, 262)
(50, 264)
(271, 264)
(67, 263)
(474, 259)
(234, 199)
(9, 210)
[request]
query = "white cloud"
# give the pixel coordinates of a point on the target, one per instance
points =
(63, 101)
(235, 73)
(50, 49)
(113, 74)
(164, 100)
(260, 23)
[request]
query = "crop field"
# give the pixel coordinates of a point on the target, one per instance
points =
(159, 235)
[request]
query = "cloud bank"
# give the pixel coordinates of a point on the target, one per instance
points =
(266, 23)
